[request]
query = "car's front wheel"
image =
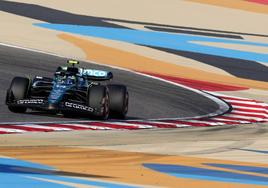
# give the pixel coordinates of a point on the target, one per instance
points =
(18, 90)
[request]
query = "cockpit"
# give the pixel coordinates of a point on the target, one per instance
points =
(69, 76)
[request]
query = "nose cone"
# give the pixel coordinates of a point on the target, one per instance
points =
(56, 94)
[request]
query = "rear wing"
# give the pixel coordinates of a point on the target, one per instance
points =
(92, 74)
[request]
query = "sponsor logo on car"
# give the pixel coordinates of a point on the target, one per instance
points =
(92, 72)
(30, 101)
(79, 106)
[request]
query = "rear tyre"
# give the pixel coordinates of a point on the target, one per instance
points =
(98, 98)
(118, 101)
(19, 89)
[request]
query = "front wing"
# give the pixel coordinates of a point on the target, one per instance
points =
(43, 105)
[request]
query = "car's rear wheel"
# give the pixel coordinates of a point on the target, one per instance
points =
(18, 90)
(118, 101)
(98, 98)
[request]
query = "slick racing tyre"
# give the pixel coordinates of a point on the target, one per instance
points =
(19, 89)
(98, 98)
(118, 101)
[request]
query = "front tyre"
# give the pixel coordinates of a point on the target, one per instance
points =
(98, 98)
(18, 90)
(118, 100)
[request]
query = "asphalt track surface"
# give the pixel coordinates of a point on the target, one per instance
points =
(149, 98)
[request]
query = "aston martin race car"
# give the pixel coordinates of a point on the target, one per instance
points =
(71, 91)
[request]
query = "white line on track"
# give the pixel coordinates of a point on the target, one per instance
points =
(236, 107)
(140, 126)
(206, 122)
(157, 124)
(90, 126)
(10, 130)
(172, 124)
(242, 117)
(45, 127)
(242, 102)
(252, 113)
(231, 120)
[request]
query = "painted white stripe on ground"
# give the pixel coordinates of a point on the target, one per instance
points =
(242, 117)
(163, 123)
(223, 95)
(10, 130)
(47, 122)
(231, 120)
(46, 127)
(242, 102)
(173, 124)
(251, 113)
(206, 122)
(182, 125)
(90, 126)
(264, 104)
(249, 108)
(132, 125)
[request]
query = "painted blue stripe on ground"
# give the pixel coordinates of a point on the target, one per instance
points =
(83, 181)
(165, 40)
(254, 169)
(253, 150)
(181, 171)
(20, 163)
(20, 174)
(21, 181)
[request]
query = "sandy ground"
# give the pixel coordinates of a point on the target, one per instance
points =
(98, 153)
